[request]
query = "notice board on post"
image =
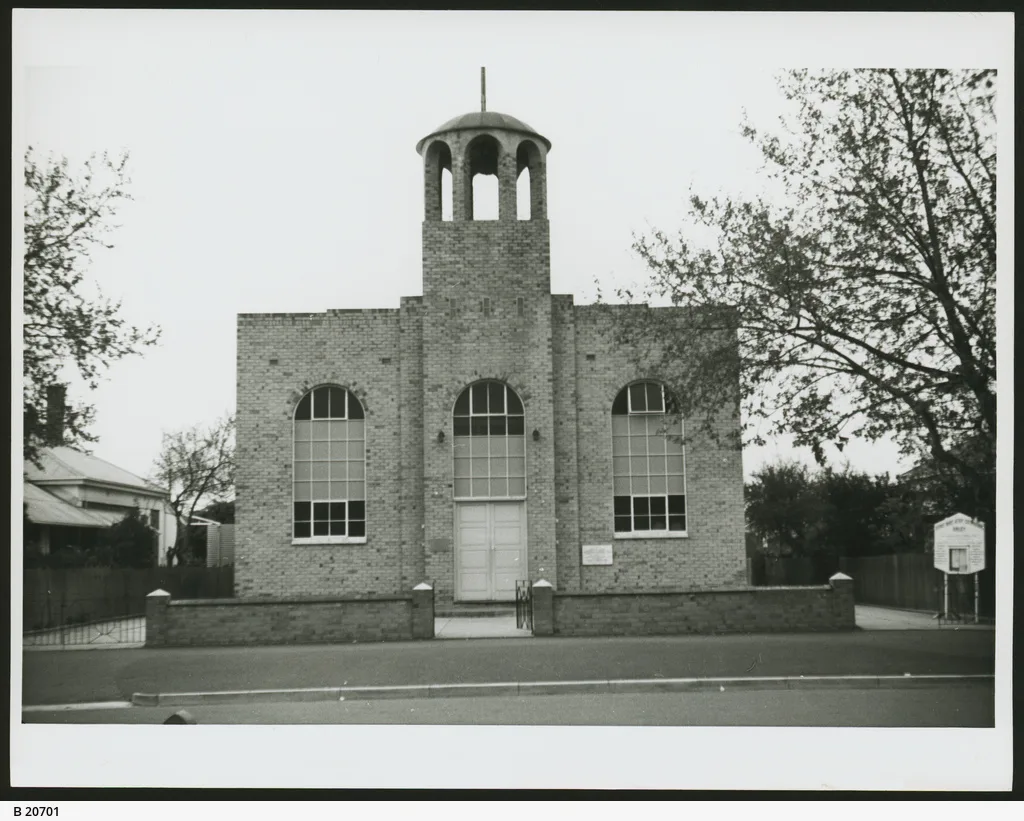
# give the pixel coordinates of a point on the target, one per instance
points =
(959, 545)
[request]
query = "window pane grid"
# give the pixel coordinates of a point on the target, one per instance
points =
(329, 484)
(648, 467)
(489, 445)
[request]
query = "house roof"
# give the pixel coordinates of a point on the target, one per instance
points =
(46, 509)
(63, 464)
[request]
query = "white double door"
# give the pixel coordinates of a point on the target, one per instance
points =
(490, 550)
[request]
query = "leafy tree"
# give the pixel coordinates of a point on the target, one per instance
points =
(908, 521)
(782, 508)
(130, 542)
(67, 216)
(840, 512)
(222, 511)
(941, 491)
(197, 465)
(853, 509)
(72, 557)
(863, 296)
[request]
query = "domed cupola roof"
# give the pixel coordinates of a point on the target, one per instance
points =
(484, 119)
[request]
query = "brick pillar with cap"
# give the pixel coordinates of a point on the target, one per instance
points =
(423, 611)
(542, 595)
(156, 618)
(843, 609)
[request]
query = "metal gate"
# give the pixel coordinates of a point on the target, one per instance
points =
(524, 605)
(59, 622)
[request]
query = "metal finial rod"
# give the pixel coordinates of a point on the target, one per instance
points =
(483, 88)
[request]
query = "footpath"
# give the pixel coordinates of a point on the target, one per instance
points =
(70, 677)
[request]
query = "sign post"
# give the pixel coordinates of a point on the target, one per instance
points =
(960, 550)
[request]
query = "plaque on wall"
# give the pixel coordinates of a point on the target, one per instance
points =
(597, 554)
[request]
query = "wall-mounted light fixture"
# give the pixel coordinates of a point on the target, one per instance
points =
(440, 437)
(536, 435)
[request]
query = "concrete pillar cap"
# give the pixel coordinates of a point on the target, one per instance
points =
(423, 586)
(542, 583)
(840, 577)
(159, 593)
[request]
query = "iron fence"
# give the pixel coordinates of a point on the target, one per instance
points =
(524, 605)
(62, 622)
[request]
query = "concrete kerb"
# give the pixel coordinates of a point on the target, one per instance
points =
(528, 688)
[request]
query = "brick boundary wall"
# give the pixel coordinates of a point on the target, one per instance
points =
(735, 610)
(321, 620)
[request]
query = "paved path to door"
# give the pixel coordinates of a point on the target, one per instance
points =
(493, 627)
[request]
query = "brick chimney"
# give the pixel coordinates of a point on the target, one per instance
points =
(55, 409)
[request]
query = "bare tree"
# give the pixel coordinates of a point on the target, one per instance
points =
(197, 465)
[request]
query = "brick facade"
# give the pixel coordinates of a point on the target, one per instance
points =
(486, 312)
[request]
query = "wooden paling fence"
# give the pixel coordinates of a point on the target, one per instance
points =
(769, 571)
(910, 581)
(905, 580)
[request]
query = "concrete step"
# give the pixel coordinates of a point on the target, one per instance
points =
(474, 610)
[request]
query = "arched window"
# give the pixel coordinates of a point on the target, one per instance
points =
(648, 466)
(489, 447)
(329, 485)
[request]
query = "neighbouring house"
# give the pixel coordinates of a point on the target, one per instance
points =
(71, 497)
(483, 433)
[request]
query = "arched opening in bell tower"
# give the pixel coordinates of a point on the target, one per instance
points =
(523, 195)
(437, 167)
(482, 156)
(530, 200)
(447, 195)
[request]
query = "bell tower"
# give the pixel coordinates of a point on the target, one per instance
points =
(481, 143)
(486, 316)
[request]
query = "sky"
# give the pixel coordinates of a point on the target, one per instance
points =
(274, 169)
(273, 165)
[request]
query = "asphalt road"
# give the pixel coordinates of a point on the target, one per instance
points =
(62, 677)
(958, 706)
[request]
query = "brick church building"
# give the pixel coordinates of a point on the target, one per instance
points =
(485, 432)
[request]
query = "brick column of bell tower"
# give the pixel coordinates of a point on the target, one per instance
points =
(487, 314)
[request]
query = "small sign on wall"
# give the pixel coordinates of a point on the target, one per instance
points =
(597, 554)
